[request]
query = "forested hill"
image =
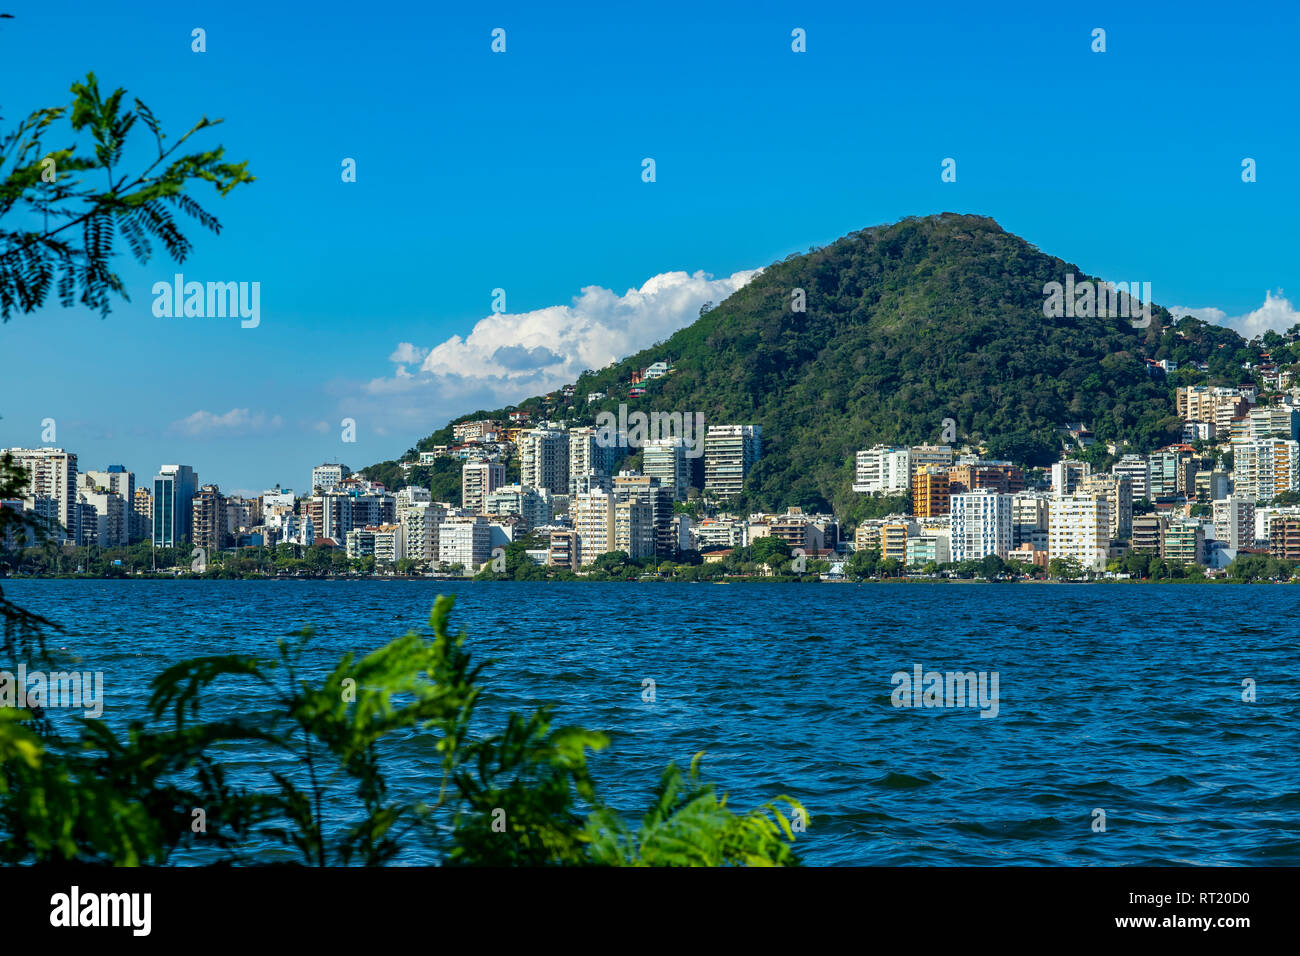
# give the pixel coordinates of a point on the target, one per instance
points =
(906, 325)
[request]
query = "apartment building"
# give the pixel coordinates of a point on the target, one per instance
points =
(563, 549)
(544, 459)
(629, 486)
(587, 456)
(531, 505)
(665, 459)
(1185, 542)
(593, 520)
(713, 533)
(1137, 470)
(104, 518)
(52, 474)
(1149, 533)
(1079, 528)
(883, 470)
(931, 491)
(893, 540)
(1000, 476)
(327, 477)
(730, 451)
(634, 528)
(1067, 475)
(1029, 518)
(208, 519)
(476, 431)
(1234, 522)
(919, 456)
(477, 480)
(419, 522)
(981, 525)
(465, 540)
(1266, 467)
(1284, 538)
(1118, 493)
(923, 549)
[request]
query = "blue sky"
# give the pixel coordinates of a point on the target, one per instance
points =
(522, 171)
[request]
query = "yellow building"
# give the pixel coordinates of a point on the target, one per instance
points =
(893, 542)
(930, 495)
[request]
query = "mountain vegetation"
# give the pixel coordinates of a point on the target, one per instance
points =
(905, 325)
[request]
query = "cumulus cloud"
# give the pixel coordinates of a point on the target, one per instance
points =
(408, 354)
(204, 422)
(1277, 313)
(509, 356)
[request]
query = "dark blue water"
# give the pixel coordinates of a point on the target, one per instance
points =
(1125, 698)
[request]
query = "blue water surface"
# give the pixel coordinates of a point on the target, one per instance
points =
(1125, 698)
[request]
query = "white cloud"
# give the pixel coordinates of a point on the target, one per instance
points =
(1277, 313)
(408, 354)
(204, 422)
(510, 356)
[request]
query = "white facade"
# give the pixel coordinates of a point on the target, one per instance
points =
(327, 476)
(544, 459)
(52, 473)
(466, 541)
(1079, 528)
(477, 480)
(883, 470)
(1234, 522)
(593, 520)
(981, 524)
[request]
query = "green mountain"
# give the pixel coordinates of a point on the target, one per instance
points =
(907, 325)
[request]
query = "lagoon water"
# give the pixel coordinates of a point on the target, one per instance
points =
(1121, 698)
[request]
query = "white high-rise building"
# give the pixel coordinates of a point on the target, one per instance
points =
(593, 520)
(326, 477)
(419, 521)
(1137, 470)
(1234, 522)
(544, 459)
(981, 523)
(587, 456)
(1079, 528)
(1029, 516)
(1067, 474)
(883, 470)
(465, 540)
(477, 480)
(1265, 468)
(665, 459)
(106, 523)
(730, 451)
(52, 473)
(530, 504)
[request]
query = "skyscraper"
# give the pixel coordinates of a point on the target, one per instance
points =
(52, 474)
(729, 453)
(173, 499)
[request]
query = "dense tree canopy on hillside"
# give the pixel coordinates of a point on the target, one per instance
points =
(906, 325)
